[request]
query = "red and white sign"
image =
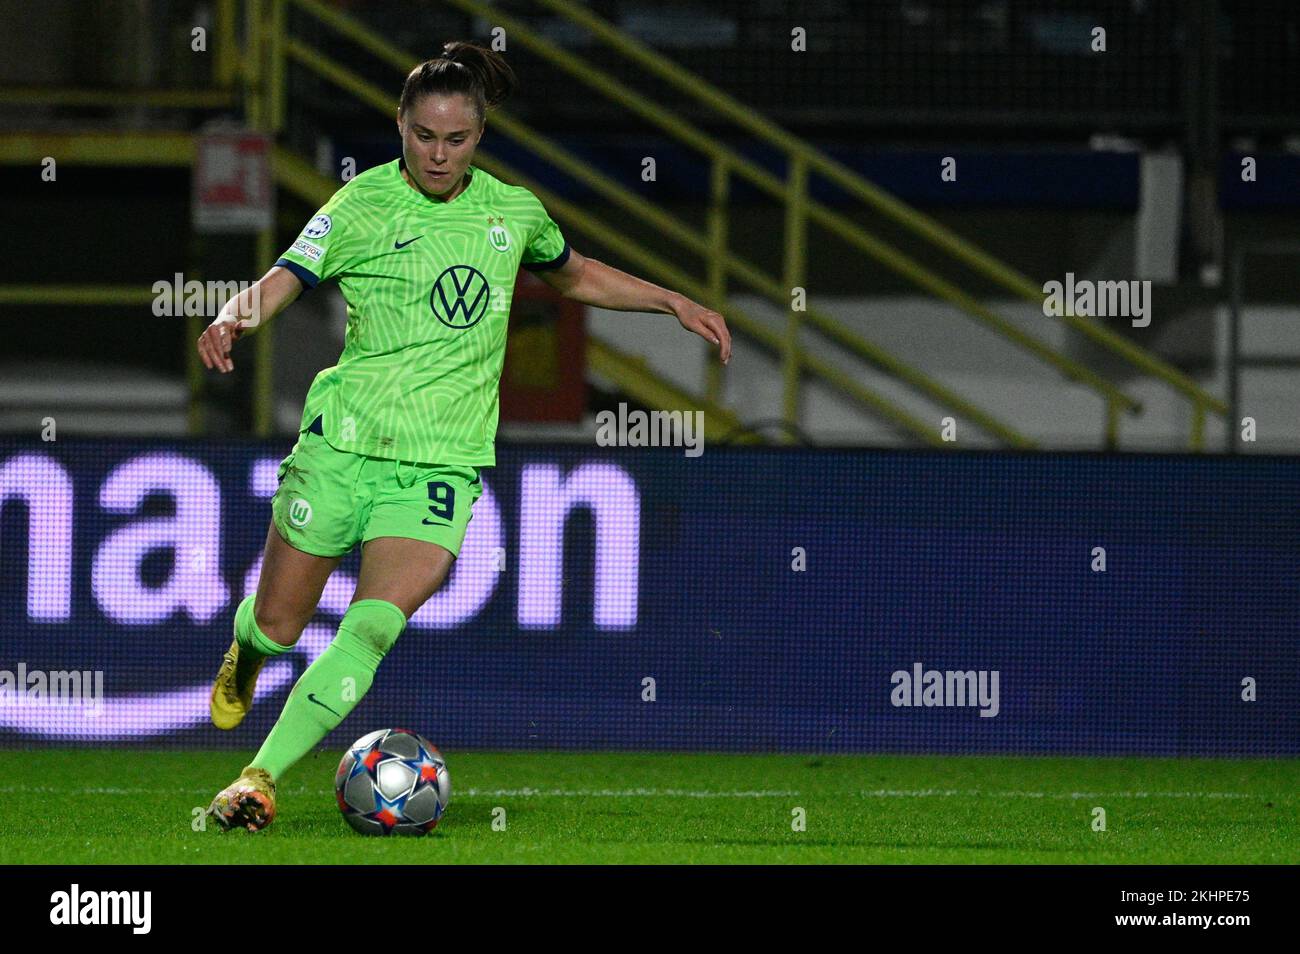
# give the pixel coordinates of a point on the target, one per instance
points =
(232, 181)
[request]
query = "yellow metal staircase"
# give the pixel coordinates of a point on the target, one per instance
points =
(258, 71)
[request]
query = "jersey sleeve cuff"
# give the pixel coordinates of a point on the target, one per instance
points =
(556, 262)
(302, 274)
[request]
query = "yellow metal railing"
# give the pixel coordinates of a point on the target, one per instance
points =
(152, 98)
(258, 73)
(800, 209)
(263, 77)
(803, 159)
(290, 172)
(796, 360)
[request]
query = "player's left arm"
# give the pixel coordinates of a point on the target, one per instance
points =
(595, 283)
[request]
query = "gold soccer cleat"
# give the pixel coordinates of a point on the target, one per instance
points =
(232, 693)
(247, 802)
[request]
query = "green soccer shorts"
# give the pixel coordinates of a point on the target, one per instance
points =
(328, 500)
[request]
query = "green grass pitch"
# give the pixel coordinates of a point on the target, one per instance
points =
(65, 806)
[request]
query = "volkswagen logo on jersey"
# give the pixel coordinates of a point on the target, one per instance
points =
(460, 297)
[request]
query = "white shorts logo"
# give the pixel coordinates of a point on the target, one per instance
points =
(299, 512)
(318, 227)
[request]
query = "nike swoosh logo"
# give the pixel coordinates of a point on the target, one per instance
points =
(407, 242)
(311, 697)
(434, 523)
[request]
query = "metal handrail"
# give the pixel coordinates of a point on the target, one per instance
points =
(725, 262)
(261, 76)
(900, 212)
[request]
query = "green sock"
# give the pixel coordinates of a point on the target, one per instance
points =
(331, 687)
(253, 643)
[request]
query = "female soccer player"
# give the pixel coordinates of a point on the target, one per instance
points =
(426, 250)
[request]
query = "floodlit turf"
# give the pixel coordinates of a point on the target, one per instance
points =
(132, 807)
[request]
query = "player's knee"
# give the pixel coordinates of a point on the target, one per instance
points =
(372, 626)
(283, 628)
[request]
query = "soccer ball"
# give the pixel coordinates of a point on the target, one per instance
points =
(392, 781)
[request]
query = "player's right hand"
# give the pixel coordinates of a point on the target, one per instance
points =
(215, 342)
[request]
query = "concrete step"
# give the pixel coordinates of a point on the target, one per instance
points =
(964, 356)
(90, 399)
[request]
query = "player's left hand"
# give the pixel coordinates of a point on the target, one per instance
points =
(706, 323)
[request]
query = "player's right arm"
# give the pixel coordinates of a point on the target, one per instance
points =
(322, 250)
(260, 302)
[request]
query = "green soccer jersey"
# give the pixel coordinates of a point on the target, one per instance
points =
(428, 286)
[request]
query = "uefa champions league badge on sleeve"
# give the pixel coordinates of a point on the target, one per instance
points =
(318, 227)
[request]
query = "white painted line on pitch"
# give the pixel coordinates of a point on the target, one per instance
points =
(612, 793)
(979, 793)
(876, 793)
(683, 793)
(66, 790)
